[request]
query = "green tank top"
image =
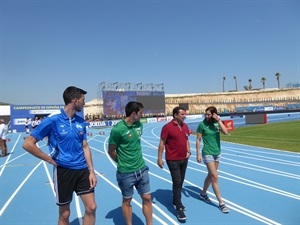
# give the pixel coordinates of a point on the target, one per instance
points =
(210, 137)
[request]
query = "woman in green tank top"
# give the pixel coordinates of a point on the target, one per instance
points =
(209, 131)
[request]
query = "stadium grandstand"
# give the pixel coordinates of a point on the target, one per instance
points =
(161, 104)
(111, 98)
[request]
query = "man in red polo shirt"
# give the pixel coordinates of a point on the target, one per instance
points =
(174, 139)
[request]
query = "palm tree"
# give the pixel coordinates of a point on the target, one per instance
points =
(224, 78)
(263, 80)
(277, 76)
(234, 77)
(250, 84)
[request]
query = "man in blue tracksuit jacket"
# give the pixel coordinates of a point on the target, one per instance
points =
(70, 155)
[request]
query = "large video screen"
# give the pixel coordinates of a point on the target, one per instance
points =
(114, 102)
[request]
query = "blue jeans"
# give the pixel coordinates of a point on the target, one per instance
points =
(138, 179)
(177, 169)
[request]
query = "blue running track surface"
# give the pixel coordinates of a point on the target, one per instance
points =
(259, 186)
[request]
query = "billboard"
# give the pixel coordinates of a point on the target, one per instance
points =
(114, 102)
(21, 113)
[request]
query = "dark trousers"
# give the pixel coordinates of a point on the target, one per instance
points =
(177, 169)
(3, 147)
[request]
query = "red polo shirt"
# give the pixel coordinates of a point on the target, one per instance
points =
(176, 140)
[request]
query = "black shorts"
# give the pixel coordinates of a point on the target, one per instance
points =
(66, 181)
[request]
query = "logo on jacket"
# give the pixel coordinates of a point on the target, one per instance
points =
(78, 126)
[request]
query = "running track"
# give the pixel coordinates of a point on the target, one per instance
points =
(259, 186)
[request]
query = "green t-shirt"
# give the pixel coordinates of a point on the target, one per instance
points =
(210, 137)
(127, 138)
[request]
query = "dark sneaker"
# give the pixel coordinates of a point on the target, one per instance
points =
(223, 208)
(183, 207)
(205, 198)
(180, 214)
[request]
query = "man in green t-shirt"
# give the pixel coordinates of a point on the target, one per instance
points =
(125, 149)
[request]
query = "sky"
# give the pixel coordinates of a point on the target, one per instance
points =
(188, 45)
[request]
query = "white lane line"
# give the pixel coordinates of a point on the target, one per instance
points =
(18, 188)
(9, 156)
(135, 201)
(6, 163)
(49, 177)
(78, 210)
(263, 168)
(261, 151)
(230, 204)
(255, 185)
(283, 174)
(263, 158)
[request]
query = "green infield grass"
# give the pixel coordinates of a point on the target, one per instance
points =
(282, 136)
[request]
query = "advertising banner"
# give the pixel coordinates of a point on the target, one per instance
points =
(25, 114)
(229, 124)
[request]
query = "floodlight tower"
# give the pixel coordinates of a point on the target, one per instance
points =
(115, 85)
(160, 87)
(101, 87)
(138, 86)
(144, 87)
(127, 86)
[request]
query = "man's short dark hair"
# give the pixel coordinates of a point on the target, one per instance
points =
(176, 110)
(133, 107)
(71, 93)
